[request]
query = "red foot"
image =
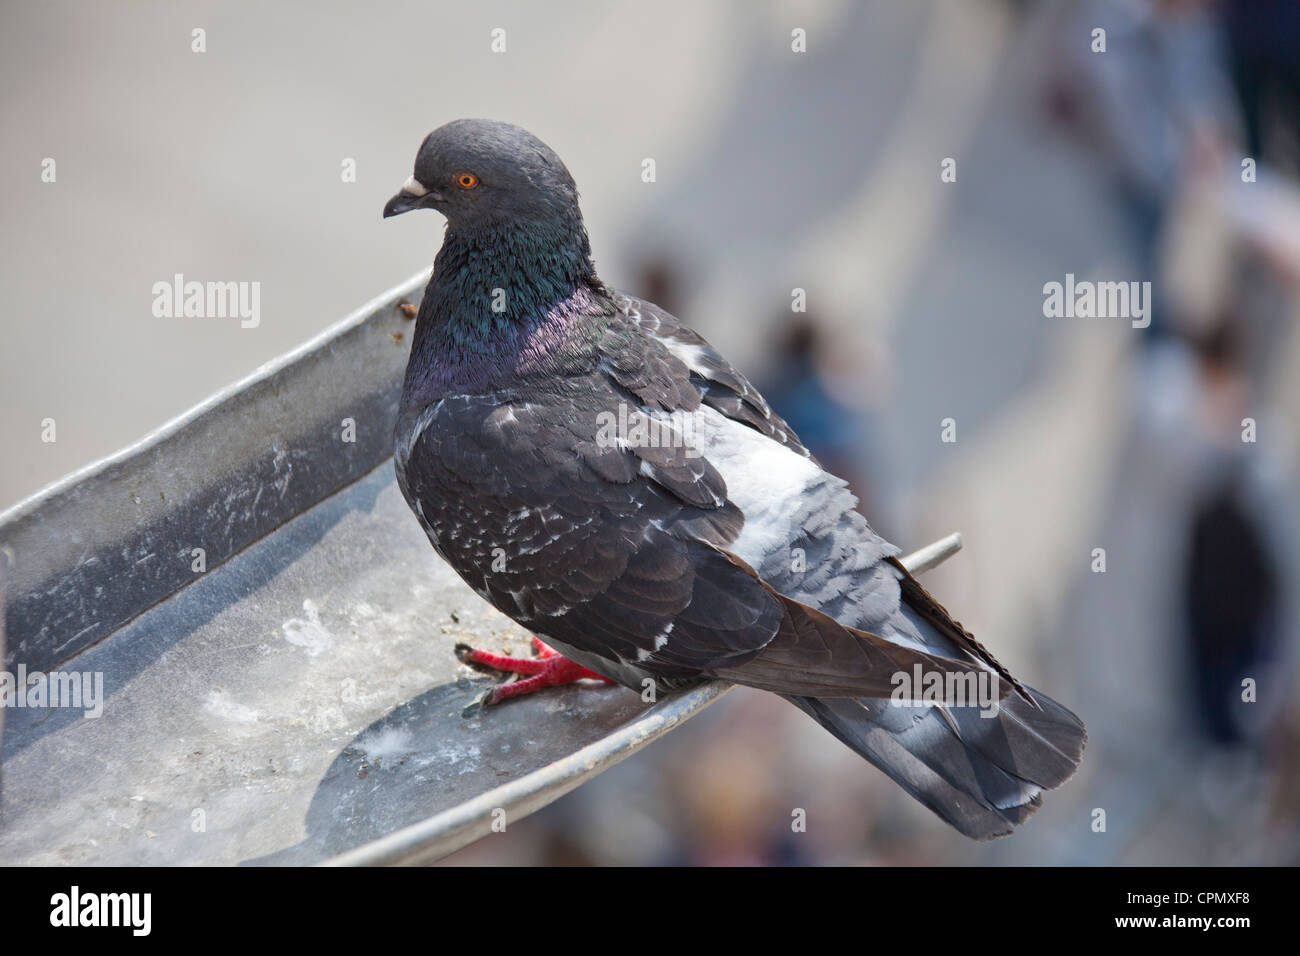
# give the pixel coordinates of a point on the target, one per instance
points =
(549, 668)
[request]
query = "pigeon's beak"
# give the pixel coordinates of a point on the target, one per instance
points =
(402, 202)
(414, 195)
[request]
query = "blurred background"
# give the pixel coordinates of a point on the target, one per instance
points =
(1128, 496)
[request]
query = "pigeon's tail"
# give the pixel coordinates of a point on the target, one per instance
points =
(983, 775)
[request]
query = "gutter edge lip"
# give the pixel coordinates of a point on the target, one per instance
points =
(31, 504)
(450, 830)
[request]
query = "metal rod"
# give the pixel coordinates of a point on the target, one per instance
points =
(932, 555)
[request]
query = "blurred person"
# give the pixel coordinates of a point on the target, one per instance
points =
(1156, 100)
(1235, 610)
(659, 279)
(1264, 53)
(1231, 577)
(1231, 594)
(801, 387)
(732, 809)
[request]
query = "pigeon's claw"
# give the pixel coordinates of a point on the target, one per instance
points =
(548, 669)
(486, 660)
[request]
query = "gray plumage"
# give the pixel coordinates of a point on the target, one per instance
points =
(664, 550)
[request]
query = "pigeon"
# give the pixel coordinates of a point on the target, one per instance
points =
(598, 472)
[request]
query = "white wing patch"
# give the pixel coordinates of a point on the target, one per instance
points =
(692, 356)
(765, 480)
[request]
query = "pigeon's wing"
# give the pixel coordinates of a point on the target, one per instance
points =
(540, 503)
(981, 770)
(803, 534)
(719, 384)
(601, 527)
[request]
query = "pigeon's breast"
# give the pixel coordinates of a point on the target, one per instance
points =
(454, 466)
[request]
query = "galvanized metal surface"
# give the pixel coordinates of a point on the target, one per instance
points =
(298, 701)
(95, 549)
(452, 829)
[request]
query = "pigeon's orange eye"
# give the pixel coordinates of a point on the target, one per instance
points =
(466, 180)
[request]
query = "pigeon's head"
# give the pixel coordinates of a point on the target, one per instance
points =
(481, 173)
